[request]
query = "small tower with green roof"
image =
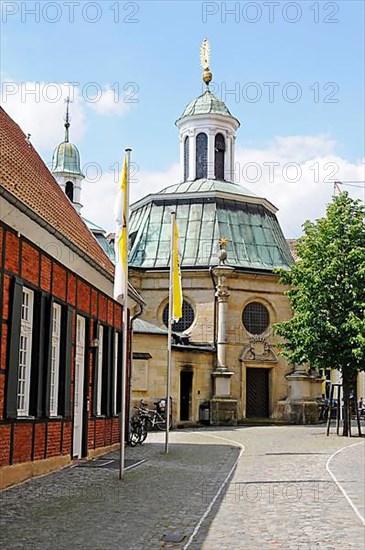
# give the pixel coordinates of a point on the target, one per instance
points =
(207, 134)
(66, 166)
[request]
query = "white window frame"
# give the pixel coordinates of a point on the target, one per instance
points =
(25, 352)
(116, 342)
(100, 371)
(55, 359)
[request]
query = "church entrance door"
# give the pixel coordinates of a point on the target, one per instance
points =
(257, 393)
(186, 384)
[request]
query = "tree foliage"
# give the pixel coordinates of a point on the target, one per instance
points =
(327, 291)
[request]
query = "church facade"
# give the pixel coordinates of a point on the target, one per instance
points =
(226, 365)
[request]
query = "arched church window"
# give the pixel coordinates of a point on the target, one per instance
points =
(255, 318)
(201, 155)
(186, 320)
(219, 150)
(70, 190)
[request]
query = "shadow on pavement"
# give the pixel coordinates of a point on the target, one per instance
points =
(85, 507)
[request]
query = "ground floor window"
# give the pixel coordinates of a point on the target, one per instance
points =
(25, 352)
(100, 371)
(55, 359)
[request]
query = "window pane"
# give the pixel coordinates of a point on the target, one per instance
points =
(219, 151)
(185, 322)
(255, 318)
(201, 155)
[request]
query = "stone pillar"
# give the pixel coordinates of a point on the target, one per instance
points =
(228, 158)
(223, 408)
(182, 163)
(301, 406)
(211, 154)
(192, 155)
(222, 293)
(235, 177)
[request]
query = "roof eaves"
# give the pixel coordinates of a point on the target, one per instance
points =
(164, 197)
(43, 223)
(132, 293)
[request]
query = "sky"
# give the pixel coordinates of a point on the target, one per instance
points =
(291, 72)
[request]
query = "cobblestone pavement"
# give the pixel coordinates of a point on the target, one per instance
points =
(282, 494)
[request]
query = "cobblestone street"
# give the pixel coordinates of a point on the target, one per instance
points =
(288, 488)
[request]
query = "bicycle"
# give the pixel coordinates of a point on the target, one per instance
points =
(145, 419)
(136, 431)
(157, 417)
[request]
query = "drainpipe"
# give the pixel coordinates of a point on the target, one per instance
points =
(215, 308)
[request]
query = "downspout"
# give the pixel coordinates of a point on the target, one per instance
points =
(215, 308)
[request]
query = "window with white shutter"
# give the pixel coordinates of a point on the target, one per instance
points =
(55, 359)
(25, 352)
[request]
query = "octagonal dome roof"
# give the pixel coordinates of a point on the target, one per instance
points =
(207, 210)
(206, 103)
(208, 185)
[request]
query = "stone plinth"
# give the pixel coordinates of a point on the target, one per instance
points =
(298, 411)
(301, 405)
(223, 411)
(222, 382)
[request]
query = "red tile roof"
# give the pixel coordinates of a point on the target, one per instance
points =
(24, 175)
(292, 247)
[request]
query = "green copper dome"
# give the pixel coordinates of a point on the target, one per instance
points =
(208, 186)
(207, 210)
(66, 158)
(206, 103)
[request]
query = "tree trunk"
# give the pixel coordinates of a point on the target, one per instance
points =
(346, 381)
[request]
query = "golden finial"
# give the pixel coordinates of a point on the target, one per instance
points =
(222, 253)
(204, 61)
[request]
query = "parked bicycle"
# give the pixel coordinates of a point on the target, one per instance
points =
(146, 419)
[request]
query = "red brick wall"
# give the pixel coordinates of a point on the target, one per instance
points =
(30, 264)
(23, 440)
(53, 439)
(12, 252)
(5, 430)
(46, 271)
(39, 441)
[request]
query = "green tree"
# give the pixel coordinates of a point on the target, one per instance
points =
(327, 295)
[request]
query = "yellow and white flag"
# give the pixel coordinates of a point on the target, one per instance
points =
(121, 237)
(177, 297)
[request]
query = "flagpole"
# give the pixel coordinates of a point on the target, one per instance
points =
(122, 417)
(169, 338)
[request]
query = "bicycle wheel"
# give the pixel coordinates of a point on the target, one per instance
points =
(134, 432)
(161, 422)
(145, 428)
(133, 438)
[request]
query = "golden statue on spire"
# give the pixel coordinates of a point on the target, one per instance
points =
(204, 61)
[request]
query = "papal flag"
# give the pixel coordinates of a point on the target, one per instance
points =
(121, 237)
(177, 297)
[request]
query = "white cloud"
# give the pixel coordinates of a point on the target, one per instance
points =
(109, 102)
(103, 192)
(297, 201)
(301, 190)
(317, 163)
(39, 109)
